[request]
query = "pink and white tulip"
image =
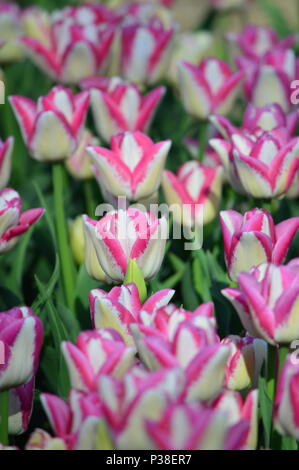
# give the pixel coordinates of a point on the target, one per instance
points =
(211, 87)
(79, 164)
(132, 168)
(253, 239)
(267, 302)
(21, 333)
(10, 31)
(52, 127)
(95, 353)
(6, 149)
(20, 407)
(145, 53)
(246, 358)
(119, 106)
(121, 308)
(14, 222)
(286, 411)
(123, 235)
(260, 166)
(193, 194)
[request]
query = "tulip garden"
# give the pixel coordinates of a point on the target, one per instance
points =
(149, 225)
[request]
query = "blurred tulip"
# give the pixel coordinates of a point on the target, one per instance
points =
(20, 407)
(269, 80)
(14, 222)
(246, 358)
(36, 23)
(253, 239)
(57, 118)
(132, 168)
(76, 235)
(262, 166)
(195, 427)
(121, 307)
(95, 353)
(6, 149)
(193, 194)
(10, 31)
(267, 302)
(208, 88)
(21, 332)
(145, 53)
(119, 107)
(123, 235)
(286, 402)
(79, 164)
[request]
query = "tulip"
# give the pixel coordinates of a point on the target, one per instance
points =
(190, 47)
(76, 235)
(20, 407)
(96, 352)
(121, 308)
(228, 4)
(267, 302)
(85, 15)
(256, 41)
(52, 128)
(286, 403)
(36, 23)
(123, 235)
(14, 222)
(119, 107)
(269, 80)
(132, 168)
(246, 358)
(260, 166)
(208, 88)
(237, 409)
(6, 149)
(193, 194)
(21, 332)
(74, 52)
(210, 158)
(196, 427)
(145, 53)
(253, 239)
(85, 247)
(79, 164)
(10, 30)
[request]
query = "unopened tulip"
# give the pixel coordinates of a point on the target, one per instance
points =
(74, 52)
(262, 166)
(269, 80)
(246, 358)
(21, 333)
(194, 193)
(14, 222)
(119, 106)
(96, 352)
(211, 87)
(123, 235)
(79, 164)
(53, 127)
(76, 234)
(267, 302)
(10, 31)
(237, 409)
(145, 53)
(196, 427)
(286, 403)
(121, 307)
(6, 149)
(20, 407)
(253, 239)
(132, 168)
(255, 41)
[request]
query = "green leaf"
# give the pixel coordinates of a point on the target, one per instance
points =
(134, 275)
(47, 290)
(47, 212)
(202, 278)
(265, 409)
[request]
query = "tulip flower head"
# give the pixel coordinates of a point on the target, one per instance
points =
(53, 126)
(20, 407)
(119, 106)
(132, 234)
(267, 302)
(14, 222)
(79, 164)
(211, 87)
(10, 31)
(132, 168)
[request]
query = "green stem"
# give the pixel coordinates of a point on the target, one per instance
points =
(65, 256)
(271, 374)
(4, 402)
(203, 139)
(89, 202)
